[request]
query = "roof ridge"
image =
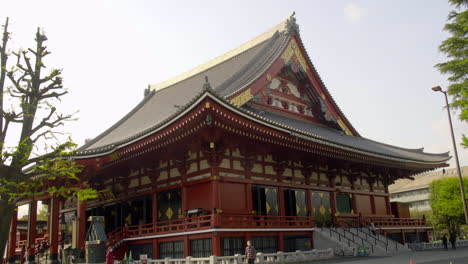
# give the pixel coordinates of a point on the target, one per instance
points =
(222, 58)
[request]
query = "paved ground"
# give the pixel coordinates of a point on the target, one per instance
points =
(459, 256)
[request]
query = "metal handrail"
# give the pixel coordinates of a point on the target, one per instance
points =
(354, 235)
(340, 235)
(376, 238)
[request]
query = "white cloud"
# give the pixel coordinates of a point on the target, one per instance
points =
(354, 12)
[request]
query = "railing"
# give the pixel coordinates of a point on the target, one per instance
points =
(260, 221)
(332, 231)
(179, 225)
(400, 222)
(357, 226)
(207, 222)
(279, 257)
(435, 245)
(37, 244)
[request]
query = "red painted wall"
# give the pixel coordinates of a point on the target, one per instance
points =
(363, 204)
(233, 198)
(380, 205)
(199, 196)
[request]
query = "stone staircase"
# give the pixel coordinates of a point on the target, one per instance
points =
(346, 241)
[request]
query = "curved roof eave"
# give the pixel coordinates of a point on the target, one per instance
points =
(108, 149)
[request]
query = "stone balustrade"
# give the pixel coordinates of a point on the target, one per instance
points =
(436, 245)
(279, 257)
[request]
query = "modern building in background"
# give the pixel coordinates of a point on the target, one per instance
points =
(415, 193)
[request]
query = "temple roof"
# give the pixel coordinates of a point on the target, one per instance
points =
(229, 74)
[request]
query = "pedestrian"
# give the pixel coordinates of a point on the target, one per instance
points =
(250, 253)
(372, 228)
(444, 242)
(453, 239)
(110, 256)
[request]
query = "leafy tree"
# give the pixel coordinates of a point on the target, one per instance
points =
(42, 215)
(31, 120)
(446, 203)
(456, 49)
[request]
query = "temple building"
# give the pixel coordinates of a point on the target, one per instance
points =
(248, 146)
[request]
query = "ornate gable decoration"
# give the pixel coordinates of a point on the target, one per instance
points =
(290, 91)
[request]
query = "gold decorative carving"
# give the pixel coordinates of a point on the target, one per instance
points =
(291, 50)
(268, 77)
(344, 127)
(242, 98)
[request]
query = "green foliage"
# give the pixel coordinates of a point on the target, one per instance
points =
(42, 215)
(446, 203)
(32, 97)
(456, 50)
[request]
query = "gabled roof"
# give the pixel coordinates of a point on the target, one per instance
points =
(166, 97)
(229, 74)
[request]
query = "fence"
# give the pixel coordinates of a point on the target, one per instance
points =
(435, 245)
(279, 257)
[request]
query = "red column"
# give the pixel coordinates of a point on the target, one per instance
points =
(216, 244)
(309, 202)
(187, 246)
(155, 249)
(154, 207)
(387, 204)
(372, 202)
(12, 237)
(54, 230)
(280, 241)
(81, 214)
(333, 205)
(32, 231)
(184, 201)
(282, 211)
(215, 192)
(248, 193)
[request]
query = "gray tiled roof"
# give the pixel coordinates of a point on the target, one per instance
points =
(227, 74)
(359, 143)
(164, 102)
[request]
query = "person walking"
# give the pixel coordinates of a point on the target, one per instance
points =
(453, 240)
(444, 242)
(372, 228)
(250, 253)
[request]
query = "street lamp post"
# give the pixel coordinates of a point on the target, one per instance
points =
(462, 189)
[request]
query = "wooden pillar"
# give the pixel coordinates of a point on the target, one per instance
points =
(333, 206)
(249, 201)
(372, 202)
(309, 202)
(353, 179)
(81, 215)
(403, 239)
(184, 201)
(215, 194)
(331, 179)
(216, 244)
(282, 208)
(12, 236)
(312, 246)
(32, 231)
(186, 246)
(387, 205)
(280, 238)
(155, 249)
(54, 230)
(154, 207)
(371, 182)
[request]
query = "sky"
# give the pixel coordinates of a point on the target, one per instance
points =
(376, 57)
